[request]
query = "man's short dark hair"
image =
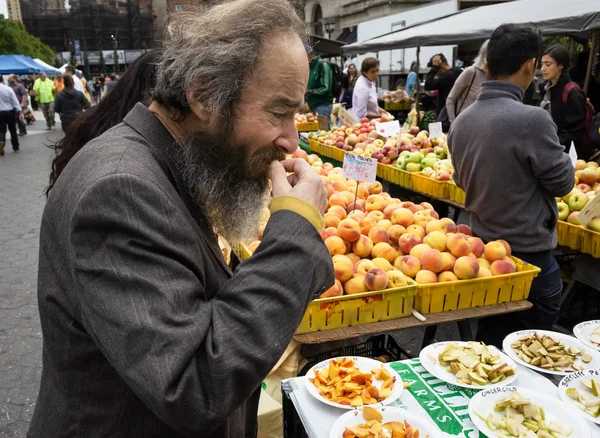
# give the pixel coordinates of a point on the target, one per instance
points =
(70, 68)
(511, 46)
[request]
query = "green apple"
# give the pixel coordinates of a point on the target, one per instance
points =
(578, 201)
(413, 167)
(401, 163)
(420, 155)
(563, 211)
(574, 218)
(428, 162)
(567, 197)
(595, 224)
(440, 152)
(414, 157)
(405, 153)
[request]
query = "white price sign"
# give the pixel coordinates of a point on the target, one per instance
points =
(435, 130)
(359, 168)
(387, 129)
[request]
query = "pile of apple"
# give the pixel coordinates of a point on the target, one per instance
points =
(305, 118)
(434, 165)
(587, 186)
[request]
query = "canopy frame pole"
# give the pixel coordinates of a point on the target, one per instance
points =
(418, 99)
(588, 73)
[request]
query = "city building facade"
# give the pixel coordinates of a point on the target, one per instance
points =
(14, 10)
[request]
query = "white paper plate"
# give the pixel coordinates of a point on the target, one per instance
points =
(567, 341)
(575, 380)
(582, 331)
(484, 402)
(354, 418)
(365, 365)
(429, 355)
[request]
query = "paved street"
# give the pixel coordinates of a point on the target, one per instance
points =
(23, 177)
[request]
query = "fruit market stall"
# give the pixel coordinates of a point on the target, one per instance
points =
(306, 122)
(458, 389)
(392, 258)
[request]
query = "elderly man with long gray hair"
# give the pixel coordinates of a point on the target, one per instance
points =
(466, 88)
(147, 332)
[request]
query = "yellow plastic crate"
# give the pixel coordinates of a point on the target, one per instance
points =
(382, 170)
(431, 187)
(398, 176)
(314, 145)
(364, 308)
(466, 294)
(456, 194)
(241, 251)
(331, 152)
(397, 106)
(307, 127)
(590, 243)
(569, 235)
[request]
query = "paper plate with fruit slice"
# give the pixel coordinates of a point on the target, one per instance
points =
(393, 422)
(582, 390)
(469, 364)
(550, 352)
(588, 332)
(514, 411)
(351, 382)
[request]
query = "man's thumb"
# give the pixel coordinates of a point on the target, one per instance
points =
(279, 179)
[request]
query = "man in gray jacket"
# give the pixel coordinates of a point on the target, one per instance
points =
(510, 163)
(147, 332)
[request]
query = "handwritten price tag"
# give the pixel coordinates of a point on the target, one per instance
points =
(387, 129)
(590, 211)
(359, 168)
(435, 130)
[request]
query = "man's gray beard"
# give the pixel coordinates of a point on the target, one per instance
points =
(233, 208)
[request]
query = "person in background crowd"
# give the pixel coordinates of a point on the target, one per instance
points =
(467, 86)
(348, 84)
(44, 90)
(112, 83)
(85, 86)
(78, 85)
(10, 111)
(148, 308)
(21, 93)
(511, 165)
(69, 103)
(319, 96)
(134, 87)
(58, 84)
(97, 90)
(34, 101)
(364, 98)
(441, 77)
(566, 105)
(412, 78)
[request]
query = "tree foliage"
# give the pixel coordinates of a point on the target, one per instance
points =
(14, 40)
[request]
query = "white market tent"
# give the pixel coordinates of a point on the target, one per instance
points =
(47, 67)
(574, 17)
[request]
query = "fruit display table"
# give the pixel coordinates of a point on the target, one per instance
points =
(444, 406)
(434, 319)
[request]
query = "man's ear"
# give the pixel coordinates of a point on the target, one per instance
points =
(486, 69)
(198, 109)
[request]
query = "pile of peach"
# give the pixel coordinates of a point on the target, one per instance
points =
(377, 241)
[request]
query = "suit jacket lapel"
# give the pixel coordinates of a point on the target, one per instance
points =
(159, 142)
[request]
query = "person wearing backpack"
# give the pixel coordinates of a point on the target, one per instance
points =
(320, 92)
(563, 99)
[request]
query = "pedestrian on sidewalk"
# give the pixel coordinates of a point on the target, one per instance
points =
(45, 89)
(21, 93)
(69, 103)
(10, 111)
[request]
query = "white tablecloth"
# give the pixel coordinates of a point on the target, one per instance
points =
(445, 406)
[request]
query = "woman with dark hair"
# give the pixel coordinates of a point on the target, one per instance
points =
(348, 82)
(562, 98)
(352, 76)
(135, 86)
(69, 103)
(364, 98)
